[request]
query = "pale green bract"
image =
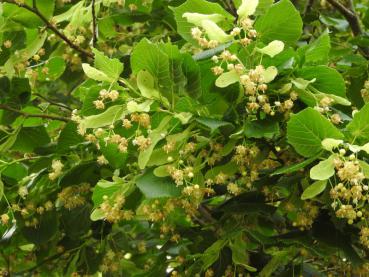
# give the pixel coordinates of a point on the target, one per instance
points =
(197, 18)
(247, 8)
(272, 49)
(214, 32)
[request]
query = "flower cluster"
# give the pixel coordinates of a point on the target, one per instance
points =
(105, 95)
(57, 167)
(365, 91)
(112, 209)
(351, 192)
(74, 196)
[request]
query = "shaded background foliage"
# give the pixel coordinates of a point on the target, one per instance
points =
(141, 49)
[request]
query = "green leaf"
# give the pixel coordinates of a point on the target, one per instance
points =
(111, 67)
(54, 68)
(95, 74)
(202, 7)
(29, 138)
(365, 168)
(279, 259)
(307, 129)
(318, 50)
(111, 152)
(328, 80)
(1, 188)
(314, 189)
(239, 253)
(280, 22)
(148, 56)
(146, 85)
(69, 137)
(155, 136)
(323, 170)
(261, 129)
(37, 40)
(155, 187)
(214, 124)
(359, 127)
(211, 254)
(27, 18)
(108, 117)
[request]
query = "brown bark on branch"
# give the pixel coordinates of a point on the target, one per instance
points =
(50, 26)
(25, 114)
(352, 19)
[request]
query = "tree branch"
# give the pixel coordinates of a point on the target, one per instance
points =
(25, 114)
(353, 21)
(94, 26)
(50, 26)
(53, 102)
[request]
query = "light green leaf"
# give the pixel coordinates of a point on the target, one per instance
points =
(227, 78)
(96, 74)
(280, 22)
(359, 127)
(34, 45)
(307, 129)
(314, 189)
(323, 170)
(111, 67)
(155, 136)
(365, 168)
(146, 85)
(108, 117)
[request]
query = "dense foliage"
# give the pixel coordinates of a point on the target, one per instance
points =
(184, 138)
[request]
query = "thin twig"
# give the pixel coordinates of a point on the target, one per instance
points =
(25, 114)
(52, 27)
(94, 26)
(53, 102)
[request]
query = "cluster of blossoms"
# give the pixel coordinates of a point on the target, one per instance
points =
(209, 34)
(324, 107)
(74, 196)
(365, 91)
(29, 211)
(105, 95)
(111, 261)
(57, 167)
(351, 192)
(304, 213)
(112, 209)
